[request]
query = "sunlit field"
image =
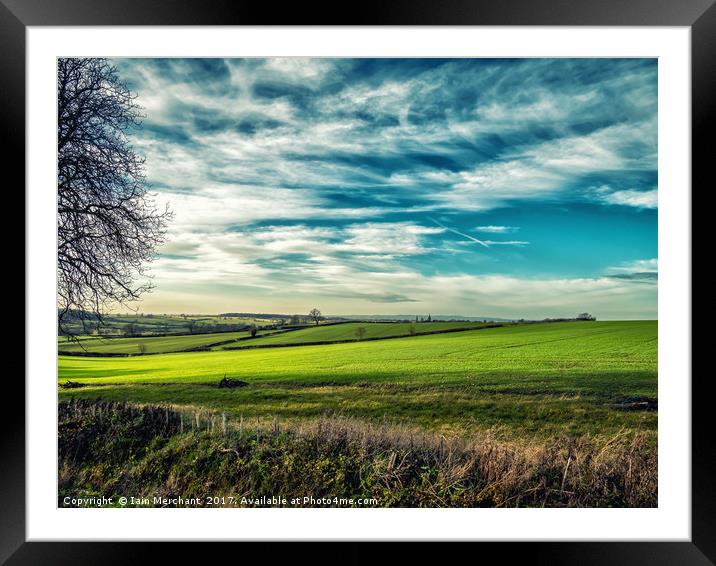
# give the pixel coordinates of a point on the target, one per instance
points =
(526, 379)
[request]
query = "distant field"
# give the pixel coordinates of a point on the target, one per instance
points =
(536, 379)
(152, 345)
(347, 331)
(172, 324)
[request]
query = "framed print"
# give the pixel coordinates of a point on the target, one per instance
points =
(424, 275)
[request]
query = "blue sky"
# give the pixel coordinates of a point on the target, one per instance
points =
(482, 187)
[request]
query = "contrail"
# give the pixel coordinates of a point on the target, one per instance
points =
(460, 233)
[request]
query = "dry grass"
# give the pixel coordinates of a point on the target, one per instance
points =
(108, 449)
(491, 469)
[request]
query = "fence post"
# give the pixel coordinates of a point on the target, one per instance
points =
(223, 424)
(241, 426)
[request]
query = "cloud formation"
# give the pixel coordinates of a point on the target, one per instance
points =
(358, 183)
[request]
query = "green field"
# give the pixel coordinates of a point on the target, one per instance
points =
(233, 340)
(347, 331)
(151, 345)
(532, 379)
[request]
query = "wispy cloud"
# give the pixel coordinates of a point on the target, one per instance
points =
(629, 197)
(645, 270)
(638, 265)
(497, 229)
(507, 243)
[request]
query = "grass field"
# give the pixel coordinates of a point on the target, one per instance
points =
(534, 379)
(347, 331)
(151, 345)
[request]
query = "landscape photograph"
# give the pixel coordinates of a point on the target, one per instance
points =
(336, 282)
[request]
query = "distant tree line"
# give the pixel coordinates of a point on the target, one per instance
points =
(580, 316)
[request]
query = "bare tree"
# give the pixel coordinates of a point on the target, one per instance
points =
(108, 226)
(315, 315)
(360, 333)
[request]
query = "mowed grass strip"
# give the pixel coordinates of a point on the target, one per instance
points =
(149, 345)
(531, 379)
(348, 331)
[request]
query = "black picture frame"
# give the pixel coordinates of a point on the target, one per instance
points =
(699, 15)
